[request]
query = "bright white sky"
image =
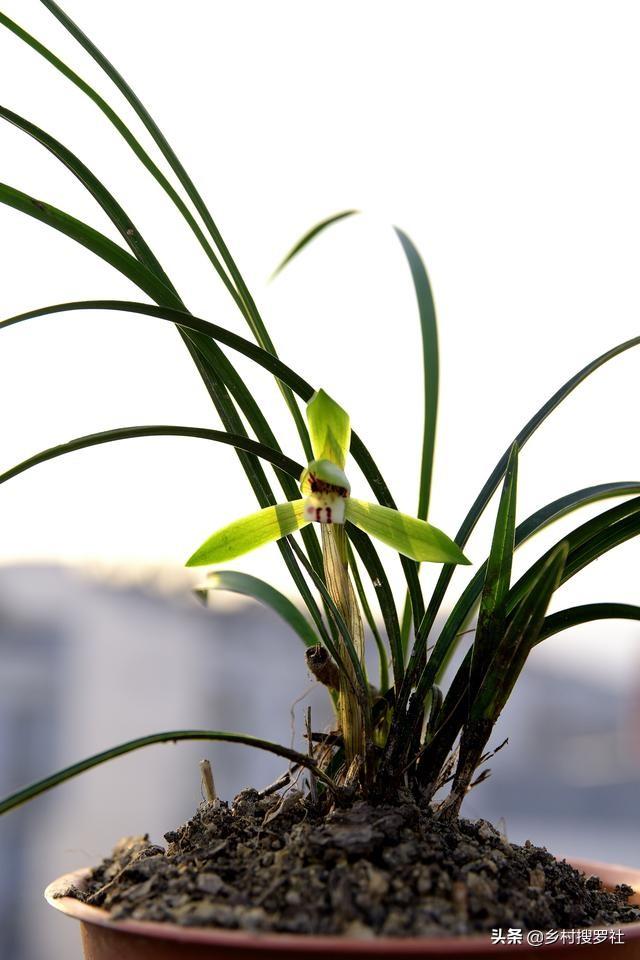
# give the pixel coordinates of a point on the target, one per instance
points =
(502, 136)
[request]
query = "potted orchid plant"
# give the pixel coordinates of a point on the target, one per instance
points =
(359, 847)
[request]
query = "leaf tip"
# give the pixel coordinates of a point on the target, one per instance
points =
(197, 560)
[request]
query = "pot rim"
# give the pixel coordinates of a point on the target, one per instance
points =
(284, 943)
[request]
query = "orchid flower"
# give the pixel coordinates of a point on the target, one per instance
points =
(327, 500)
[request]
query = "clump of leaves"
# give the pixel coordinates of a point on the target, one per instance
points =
(404, 730)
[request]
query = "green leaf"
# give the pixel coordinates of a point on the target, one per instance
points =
(414, 610)
(511, 651)
(242, 299)
(521, 635)
(156, 430)
(236, 286)
(240, 344)
(491, 616)
(208, 356)
(309, 236)
(171, 736)
(304, 390)
(586, 543)
(551, 512)
(128, 231)
(409, 536)
(329, 428)
(128, 136)
(586, 613)
(487, 492)
(92, 239)
(214, 367)
(497, 474)
(257, 589)
(147, 281)
(250, 532)
(430, 368)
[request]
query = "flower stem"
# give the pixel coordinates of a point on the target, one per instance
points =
(353, 713)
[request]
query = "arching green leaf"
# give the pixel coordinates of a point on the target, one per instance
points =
(309, 236)
(586, 613)
(171, 736)
(492, 613)
(242, 583)
(159, 430)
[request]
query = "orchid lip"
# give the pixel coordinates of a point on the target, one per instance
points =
(325, 508)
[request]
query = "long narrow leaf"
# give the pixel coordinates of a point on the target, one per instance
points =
(310, 235)
(213, 357)
(489, 489)
(133, 143)
(430, 366)
(522, 634)
(155, 430)
(92, 239)
(149, 283)
(283, 463)
(144, 254)
(244, 301)
(171, 736)
(266, 360)
(586, 613)
(211, 360)
(235, 582)
(497, 578)
(511, 651)
(208, 357)
(587, 543)
(430, 374)
(527, 627)
(128, 231)
(538, 521)
(414, 605)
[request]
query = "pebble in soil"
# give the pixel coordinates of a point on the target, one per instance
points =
(391, 870)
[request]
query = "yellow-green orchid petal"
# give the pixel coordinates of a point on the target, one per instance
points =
(250, 532)
(329, 429)
(412, 537)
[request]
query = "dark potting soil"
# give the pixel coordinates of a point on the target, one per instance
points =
(396, 870)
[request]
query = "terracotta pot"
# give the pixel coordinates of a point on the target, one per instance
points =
(105, 939)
